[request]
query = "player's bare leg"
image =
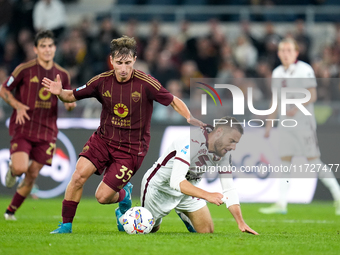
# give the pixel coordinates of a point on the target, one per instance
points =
(84, 169)
(201, 220)
(105, 194)
(17, 166)
(74, 191)
(26, 185)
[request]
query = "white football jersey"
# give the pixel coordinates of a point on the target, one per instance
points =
(298, 75)
(193, 151)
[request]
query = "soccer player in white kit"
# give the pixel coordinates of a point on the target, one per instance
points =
(300, 140)
(172, 181)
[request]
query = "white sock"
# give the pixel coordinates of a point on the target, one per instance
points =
(284, 186)
(328, 179)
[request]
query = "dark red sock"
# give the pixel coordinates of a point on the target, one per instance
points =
(69, 210)
(16, 202)
(122, 194)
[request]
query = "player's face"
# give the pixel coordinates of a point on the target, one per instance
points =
(123, 66)
(287, 53)
(45, 49)
(227, 142)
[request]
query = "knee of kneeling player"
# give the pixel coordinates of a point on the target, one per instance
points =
(205, 229)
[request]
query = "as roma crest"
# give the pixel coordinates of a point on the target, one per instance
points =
(135, 96)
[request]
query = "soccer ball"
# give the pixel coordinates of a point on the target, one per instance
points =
(138, 220)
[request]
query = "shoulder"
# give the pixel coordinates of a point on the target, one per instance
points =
(277, 71)
(146, 79)
(304, 70)
(24, 66)
(304, 66)
(62, 70)
(100, 77)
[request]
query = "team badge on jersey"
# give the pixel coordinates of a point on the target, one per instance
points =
(185, 150)
(135, 96)
(121, 110)
(10, 81)
(80, 88)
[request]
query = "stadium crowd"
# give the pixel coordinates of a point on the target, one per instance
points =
(84, 51)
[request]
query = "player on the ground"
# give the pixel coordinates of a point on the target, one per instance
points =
(33, 124)
(120, 143)
(300, 140)
(172, 181)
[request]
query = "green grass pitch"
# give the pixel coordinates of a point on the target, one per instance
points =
(306, 229)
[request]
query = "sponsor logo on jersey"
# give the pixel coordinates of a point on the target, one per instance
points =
(185, 150)
(81, 87)
(10, 81)
(107, 94)
(135, 96)
(121, 110)
(44, 95)
(34, 79)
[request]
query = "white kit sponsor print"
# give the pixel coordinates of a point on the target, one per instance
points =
(253, 151)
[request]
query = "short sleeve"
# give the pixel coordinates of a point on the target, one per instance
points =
(164, 97)
(309, 80)
(15, 78)
(182, 146)
(87, 90)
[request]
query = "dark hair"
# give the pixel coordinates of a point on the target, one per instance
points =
(232, 123)
(43, 34)
(123, 47)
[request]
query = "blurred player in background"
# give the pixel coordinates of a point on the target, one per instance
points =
(120, 143)
(172, 181)
(300, 140)
(33, 124)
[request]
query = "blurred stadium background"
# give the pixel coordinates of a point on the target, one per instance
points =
(177, 40)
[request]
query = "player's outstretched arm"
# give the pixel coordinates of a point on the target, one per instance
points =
(212, 197)
(22, 109)
(235, 210)
(180, 107)
(56, 88)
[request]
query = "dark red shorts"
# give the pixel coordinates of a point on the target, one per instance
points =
(38, 150)
(119, 166)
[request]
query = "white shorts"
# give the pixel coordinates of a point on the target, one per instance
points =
(160, 203)
(298, 143)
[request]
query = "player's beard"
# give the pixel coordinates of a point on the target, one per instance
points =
(218, 147)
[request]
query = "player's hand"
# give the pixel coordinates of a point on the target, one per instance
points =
(70, 106)
(214, 198)
(22, 114)
(245, 228)
(195, 122)
(55, 87)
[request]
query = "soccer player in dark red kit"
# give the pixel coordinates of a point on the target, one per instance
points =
(33, 124)
(120, 143)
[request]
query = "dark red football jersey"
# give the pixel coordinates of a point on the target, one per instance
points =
(126, 108)
(26, 80)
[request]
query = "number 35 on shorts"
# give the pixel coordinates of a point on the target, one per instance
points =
(126, 174)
